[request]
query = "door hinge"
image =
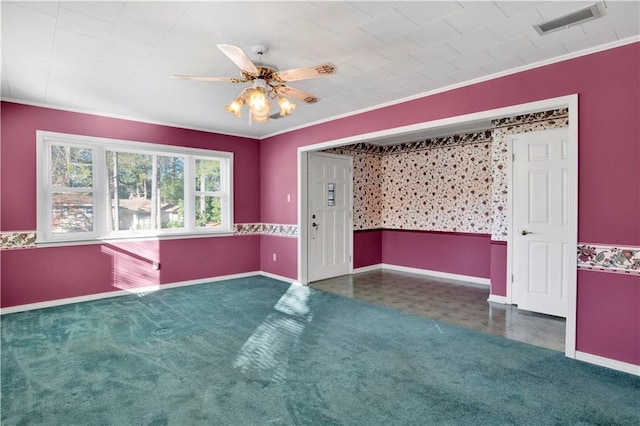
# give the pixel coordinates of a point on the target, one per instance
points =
(513, 157)
(511, 277)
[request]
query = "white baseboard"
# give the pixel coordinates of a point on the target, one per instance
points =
(278, 277)
(140, 290)
(609, 363)
(368, 268)
(498, 299)
(438, 274)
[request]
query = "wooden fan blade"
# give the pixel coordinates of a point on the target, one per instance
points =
(296, 94)
(239, 58)
(202, 78)
(306, 73)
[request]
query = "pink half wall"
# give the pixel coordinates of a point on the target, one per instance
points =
(454, 253)
(367, 248)
(46, 274)
(608, 317)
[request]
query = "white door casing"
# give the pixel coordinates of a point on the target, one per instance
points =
(542, 256)
(330, 199)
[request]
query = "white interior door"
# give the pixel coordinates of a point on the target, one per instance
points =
(329, 216)
(542, 257)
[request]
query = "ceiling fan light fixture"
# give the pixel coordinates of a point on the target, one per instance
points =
(235, 107)
(257, 99)
(286, 107)
(267, 83)
(260, 115)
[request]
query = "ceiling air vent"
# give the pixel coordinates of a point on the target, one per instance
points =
(573, 18)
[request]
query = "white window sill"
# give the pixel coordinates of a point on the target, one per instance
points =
(122, 239)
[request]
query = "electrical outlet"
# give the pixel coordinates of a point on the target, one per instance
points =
(155, 266)
(274, 257)
(288, 198)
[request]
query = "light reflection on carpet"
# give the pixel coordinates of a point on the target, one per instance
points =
(265, 355)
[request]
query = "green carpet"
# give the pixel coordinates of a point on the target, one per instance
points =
(256, 351)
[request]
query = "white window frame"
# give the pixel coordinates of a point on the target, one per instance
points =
(99, 146)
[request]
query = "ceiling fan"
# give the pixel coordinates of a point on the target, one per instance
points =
(267, 83)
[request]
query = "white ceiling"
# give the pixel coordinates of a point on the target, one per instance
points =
(116, 58)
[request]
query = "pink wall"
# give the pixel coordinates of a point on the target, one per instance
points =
(367, 248)
(34, 275)
(607, 83)
(280, 178)
(455, 253)
(286, 251)
(608, 317)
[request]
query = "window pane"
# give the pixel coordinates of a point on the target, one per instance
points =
(208, 211)
(71, 167)
(150, 191)
(207, 175)
(129, 177)
(72, 212)
(171, 178)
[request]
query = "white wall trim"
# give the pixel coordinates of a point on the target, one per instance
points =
(498, 299)
(368, 268)
(303, 222)
(278, 277)
(118, 293)
(438, 274)
(608, 363)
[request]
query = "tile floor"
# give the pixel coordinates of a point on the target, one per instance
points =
(449, 301)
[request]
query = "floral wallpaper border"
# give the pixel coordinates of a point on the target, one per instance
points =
(550, 115)
(13, 240)
(17, 240)
(419, 145)
(445, 141)
(607, 258)
(272, 229)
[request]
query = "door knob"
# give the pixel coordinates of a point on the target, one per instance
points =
(315, 225)
(525, 232)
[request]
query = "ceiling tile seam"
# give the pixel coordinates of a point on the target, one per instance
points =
(504, 15)
(49, 68)
(438, 16)
(89, 81)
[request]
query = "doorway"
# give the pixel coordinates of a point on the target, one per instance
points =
(540, 220)
(414, 132)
